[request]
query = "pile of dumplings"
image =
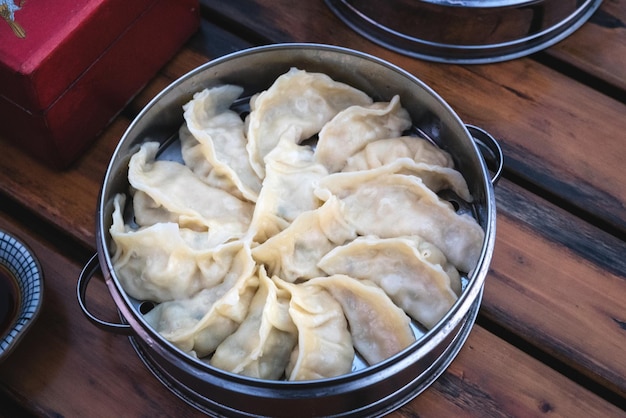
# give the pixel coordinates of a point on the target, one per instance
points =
(274, 256)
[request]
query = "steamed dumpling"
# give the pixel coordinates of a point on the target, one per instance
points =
(164, 262)
(263, 343)
(194, 203)
(324, 346)
(385, 151)
(396, 205)
(194, 158)
(291, 176)
(147, 212)
(435, 177)
(379, 328)
(353, 128)
(296, 99)
(218, 134)
(199, 324)
(294, 253)
(403, 269)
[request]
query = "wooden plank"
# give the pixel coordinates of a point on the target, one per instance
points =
(67, 367)
(491, 379)
(556, 134)
(559, 284)
(599, 47)
(550, 126)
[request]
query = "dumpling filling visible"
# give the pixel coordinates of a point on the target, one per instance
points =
(298, 242)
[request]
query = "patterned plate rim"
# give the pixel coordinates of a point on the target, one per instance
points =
(21, 261)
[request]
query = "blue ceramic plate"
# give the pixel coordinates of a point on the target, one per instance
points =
(19, 260)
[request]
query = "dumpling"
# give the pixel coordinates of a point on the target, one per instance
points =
(396, 205)
(291, 177)
(294, 253)
(435, 177)
(296, 99)
(435, 256)
(324, 347)
(219, 136)
(163, 261)
(178, 190)
(379, 328)
(423, 289)
(199, 324)
(195, 159)
(262, 344)
(353, 128)
(385, 151)
(147, 212)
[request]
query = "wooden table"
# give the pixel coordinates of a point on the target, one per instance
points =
(550, 339)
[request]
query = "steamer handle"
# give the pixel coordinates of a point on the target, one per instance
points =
(490, 150)
(81, 289)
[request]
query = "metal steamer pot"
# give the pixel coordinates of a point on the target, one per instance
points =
(367, 391)
(465, 31)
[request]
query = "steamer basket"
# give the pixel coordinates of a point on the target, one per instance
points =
(367, 391)
(465, 31)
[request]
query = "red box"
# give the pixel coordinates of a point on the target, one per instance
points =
(68, 67)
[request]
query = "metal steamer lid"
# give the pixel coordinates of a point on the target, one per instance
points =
(464, 31)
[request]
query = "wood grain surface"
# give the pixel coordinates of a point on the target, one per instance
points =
(597, 48)
(551, 331)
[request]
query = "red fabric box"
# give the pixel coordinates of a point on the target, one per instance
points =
(67, 67)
